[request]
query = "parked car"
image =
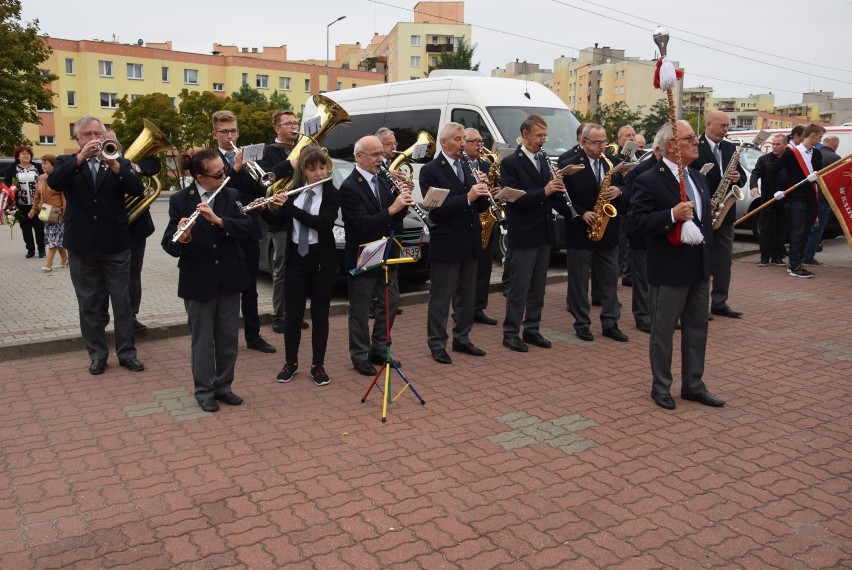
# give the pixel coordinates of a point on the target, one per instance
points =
(416, 247)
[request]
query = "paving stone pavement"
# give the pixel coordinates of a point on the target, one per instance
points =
(120, 470)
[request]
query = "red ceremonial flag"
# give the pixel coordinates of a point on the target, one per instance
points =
(836, 186)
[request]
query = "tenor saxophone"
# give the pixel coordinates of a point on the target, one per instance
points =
(724, 197)
(603, 209)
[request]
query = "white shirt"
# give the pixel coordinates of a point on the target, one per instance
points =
(453, 162)
(533, 157)
(807, 155)
(313, 237)
(673, 168)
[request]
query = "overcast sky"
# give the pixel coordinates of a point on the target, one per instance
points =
(793, 51)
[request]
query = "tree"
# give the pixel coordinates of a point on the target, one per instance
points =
(157, 108)
(24, 85)
(613, 117)
(254, 119)
(279, 100)
(657, 116)
(196, 108)
(459, 58)
(248, 95)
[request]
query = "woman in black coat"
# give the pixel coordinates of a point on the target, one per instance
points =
(23, 175)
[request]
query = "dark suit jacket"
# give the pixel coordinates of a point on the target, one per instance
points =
(787, 168)
(272, 155)
(762, 173)
(655, 193)
(457, 234)
(249, 190)
(95, 215)
(714, 176)
(636, 242)
(363, 219)
(583, 188)
(323, 222)
(530, 217)
(213, 260)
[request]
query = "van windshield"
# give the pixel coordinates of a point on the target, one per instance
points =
(561, 126)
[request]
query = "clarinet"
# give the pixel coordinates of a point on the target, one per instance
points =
(555, 175)
(496, 210)
(398, 189)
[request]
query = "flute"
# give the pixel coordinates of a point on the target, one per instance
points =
(194, 216)
(260, 202)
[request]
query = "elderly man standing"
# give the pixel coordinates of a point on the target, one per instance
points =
(98, 240)
(772, 222)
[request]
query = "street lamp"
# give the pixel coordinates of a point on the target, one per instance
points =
(327, 28)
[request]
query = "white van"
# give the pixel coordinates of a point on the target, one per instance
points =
(843, 133)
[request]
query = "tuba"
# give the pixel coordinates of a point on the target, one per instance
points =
(149, 142)
(402, 161)
(331, 114)
(603, 209)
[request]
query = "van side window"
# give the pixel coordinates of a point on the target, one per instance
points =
(340, 142)
(473, 120)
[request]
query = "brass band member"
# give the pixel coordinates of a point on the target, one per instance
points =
(212, 274)
(585, 256)
(625, 135)
(454, 244)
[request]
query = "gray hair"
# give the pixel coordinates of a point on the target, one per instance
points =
(447, 129)
(658, 140)
(383, 132)
(621, 130)
(470, 131)
(666, 133)
(359, 144)
(83, 121)
(588, 128)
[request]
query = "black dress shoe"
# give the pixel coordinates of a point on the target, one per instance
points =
(537, 340)
(380, 359)
(726, 312)
(645, 328)
(278, 325)
(705, 398)
(615, 334)
(41, 254)
(364, 367)
(468, 348)
(305, 326)
(483, 319)
(585, 334)
(138, 327)
(258, 343)
(97, 366)
(440, 355)
(209, 404)
(30, 254)
(664, 401)
(230, 398)
(516, 344)
(132, 364)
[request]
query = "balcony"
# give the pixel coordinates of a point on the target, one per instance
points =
(439, 48)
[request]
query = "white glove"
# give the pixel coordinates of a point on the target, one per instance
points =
(779, 195)
(812, 177)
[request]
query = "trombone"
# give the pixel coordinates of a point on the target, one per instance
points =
(257, 173)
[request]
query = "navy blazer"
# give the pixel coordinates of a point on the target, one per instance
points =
(714, 175)
(583, 188)
(249, 189)
(530, 217)
(272, 155)
(213, 260)
(655, 193)
(363, 219)
(457, 234)
(636, 242)
(95, 214)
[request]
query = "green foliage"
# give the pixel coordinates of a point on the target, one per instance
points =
(196, 109)
(654, 120)
(25, 87)
(255, 121)
(279, 100)
(248, 95)
(157, 108)
(613, 117)
(459, 58)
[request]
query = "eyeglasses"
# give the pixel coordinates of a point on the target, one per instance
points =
(474, 141)
(288, 124)
(226, 132)
(690, 138)
(371, 154)
(218, 176)
(596, 143)
(90, 134)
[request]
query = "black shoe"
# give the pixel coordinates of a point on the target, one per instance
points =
(627, 282)
(41, 254)
(615, 334)
(209, 404)
(516, 344)
(97, 366)
(364, 367)
(468, 348)
(305, 326)
(645, 328)
(776, 261)
(379, 359)
(277, 325)
(399, 311)
(705, 398)
(537, 340)
(132, 364)
(726, 312)
(585, 334)
(481, 318)
(258, 343)
(764, 262)
(30, 254)
(230, 398)
(319, 375)
(664, 401)
(799, 271)
(597, 303)
(440, 355)
(287, 373)
(138, 327)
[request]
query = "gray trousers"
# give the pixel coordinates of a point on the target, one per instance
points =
(668, 304)
(279, 243)
(602, 265)
(214, 326)
(452, 281)
(641, 313)
(723, 258)
(362, 290)
(528, 278)
(88, 269)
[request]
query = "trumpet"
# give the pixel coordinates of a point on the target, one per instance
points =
(194, 216)
(556, 176)
(110, 150)
(397, 189)
(260, 202)
(259, 174)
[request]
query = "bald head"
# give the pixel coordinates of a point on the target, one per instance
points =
(831, 142)
(717, 124)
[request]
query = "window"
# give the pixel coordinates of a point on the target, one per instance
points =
(72, 98)
(69, 65)
(354, 85)
(190, 76)
(434, 39)
(105, 68)
(262, 82)
(284, 84)
(307, 85)
(415, 61)
(473, 120)
(415, 41)
(46, 139)
(109, 100)
(134, 71)
(218, 87)
(165, 74)
(245, 78)
(405, 124)
(339, 86)
(174, 102)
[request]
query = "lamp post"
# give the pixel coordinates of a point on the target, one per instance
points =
(327, 28)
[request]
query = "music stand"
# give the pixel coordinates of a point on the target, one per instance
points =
(372, 256)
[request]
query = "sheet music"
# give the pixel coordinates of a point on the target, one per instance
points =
(312, 125)
(630, 148)
(572, 169)
(419, 151)
(708, 166)
(509, 194)
(253, 152)
(434, 197)
(372, 254)
(624, 167)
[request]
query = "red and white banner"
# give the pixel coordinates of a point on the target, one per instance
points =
(836, 186)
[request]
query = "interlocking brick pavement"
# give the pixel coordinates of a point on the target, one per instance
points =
(121, 469)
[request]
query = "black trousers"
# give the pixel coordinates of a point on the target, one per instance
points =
(772, 223)
(248, 298)
(802, 215)
(307, 277)
(31, 228)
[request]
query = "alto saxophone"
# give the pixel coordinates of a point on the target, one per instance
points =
(603, 209)
(725, 197)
